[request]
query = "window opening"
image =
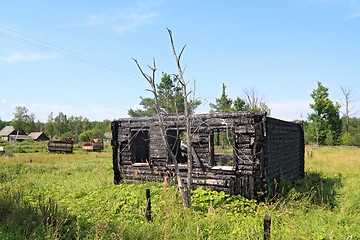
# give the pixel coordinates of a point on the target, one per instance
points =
(176, 139)
(221, 150)
(140, 146)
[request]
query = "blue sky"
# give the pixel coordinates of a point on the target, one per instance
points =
(75, 57)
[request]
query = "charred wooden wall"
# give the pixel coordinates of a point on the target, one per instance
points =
(285, 150)
(250, 172)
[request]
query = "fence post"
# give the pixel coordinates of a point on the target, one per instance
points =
(267, 227)
(148, 205)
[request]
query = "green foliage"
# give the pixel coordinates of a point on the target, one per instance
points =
(149, 108)
(60, 124)
(263, 107)
(223, 139)
(235, 206)
(354, 131)
(59, 127)
(355, 139)
(325, 122)
(251, 103)
(222, 104)
(3, 124)
(86, 136)
(23, 220)
(49, 126)
(78, 128)
(3, 142)
(346, 139)
(170, 98)
(21, 118)
(311, 133)
(329, 140)
(27, 146)
(240, 105)
(79, 201)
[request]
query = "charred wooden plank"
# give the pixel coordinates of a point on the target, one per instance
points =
(264, 147)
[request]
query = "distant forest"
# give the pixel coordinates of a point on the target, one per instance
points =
(347, 138)
(59, 127)
(323, 127)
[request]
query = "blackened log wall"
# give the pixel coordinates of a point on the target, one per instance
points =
(285, 150)
(263, 149)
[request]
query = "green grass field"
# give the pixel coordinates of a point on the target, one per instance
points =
(72, 196)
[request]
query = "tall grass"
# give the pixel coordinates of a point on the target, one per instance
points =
(71, 196)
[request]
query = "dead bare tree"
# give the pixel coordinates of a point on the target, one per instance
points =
(186, 195)
(160, 116)
(188, 119)
(254, 102)
(347, 91)
(252, 98)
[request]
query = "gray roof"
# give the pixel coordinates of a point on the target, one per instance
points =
(6, 131)
(35, 135)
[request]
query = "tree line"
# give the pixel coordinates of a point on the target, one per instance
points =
(325, 126)
(322, 127)
(171, 101)
(58, 127)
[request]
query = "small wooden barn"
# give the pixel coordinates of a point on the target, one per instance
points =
(264, 148)
(38, 136)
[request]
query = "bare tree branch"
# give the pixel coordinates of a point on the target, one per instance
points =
(188, 120)
(162, 129)
(347, 91)
(182, 50)
(147, 77)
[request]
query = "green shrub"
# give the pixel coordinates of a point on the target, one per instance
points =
(346, 139)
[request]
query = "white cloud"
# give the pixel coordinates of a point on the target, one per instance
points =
(133, 17)
(28, 57)
(3, 101)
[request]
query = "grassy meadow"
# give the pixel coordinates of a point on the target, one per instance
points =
(72, 196)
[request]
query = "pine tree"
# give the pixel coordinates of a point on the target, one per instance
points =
(222, 104)
(171, 100)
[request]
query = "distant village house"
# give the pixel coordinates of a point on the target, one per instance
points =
(38, 136)
(9, 134)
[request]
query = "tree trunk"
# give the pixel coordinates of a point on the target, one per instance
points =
(160, 117)
(188, 120)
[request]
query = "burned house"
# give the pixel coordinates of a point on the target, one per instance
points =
(262, 149)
